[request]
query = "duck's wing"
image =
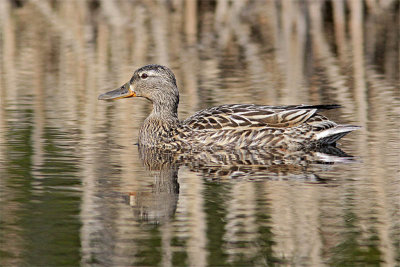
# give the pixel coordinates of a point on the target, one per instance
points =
(238, 116)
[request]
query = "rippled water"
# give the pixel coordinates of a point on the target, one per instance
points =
(76, 190)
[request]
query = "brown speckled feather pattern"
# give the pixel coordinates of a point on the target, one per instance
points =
(251, 126)
(226, 126)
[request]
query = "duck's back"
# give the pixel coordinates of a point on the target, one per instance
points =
(241, 125)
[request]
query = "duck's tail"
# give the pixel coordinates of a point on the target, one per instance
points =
(332, 135)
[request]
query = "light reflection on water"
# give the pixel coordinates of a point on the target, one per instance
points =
(75, 189)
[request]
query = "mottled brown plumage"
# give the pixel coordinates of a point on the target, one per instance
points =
(226, 126)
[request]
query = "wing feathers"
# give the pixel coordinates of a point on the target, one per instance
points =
(233, 116)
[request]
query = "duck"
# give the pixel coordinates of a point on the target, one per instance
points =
(229, 126)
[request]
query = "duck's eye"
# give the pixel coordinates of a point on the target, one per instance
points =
(144, 76)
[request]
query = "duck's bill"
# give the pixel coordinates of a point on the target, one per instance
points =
(122, 92)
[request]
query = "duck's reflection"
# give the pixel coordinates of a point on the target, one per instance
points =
(159, 204)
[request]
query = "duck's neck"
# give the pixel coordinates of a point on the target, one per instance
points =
(159, 126)
(165, 110)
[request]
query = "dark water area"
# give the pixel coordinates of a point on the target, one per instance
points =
(75, 189)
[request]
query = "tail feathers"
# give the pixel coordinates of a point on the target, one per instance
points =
(332, 135)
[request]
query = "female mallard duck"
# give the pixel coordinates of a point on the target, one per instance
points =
(226, 126)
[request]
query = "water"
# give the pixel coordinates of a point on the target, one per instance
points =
(76, 190)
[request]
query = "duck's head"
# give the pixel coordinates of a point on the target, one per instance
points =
(154, 82)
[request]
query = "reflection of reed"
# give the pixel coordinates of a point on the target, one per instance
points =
(383, 117)
(339, 17)
(8, 53)
(8, 79)
(241, 227)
